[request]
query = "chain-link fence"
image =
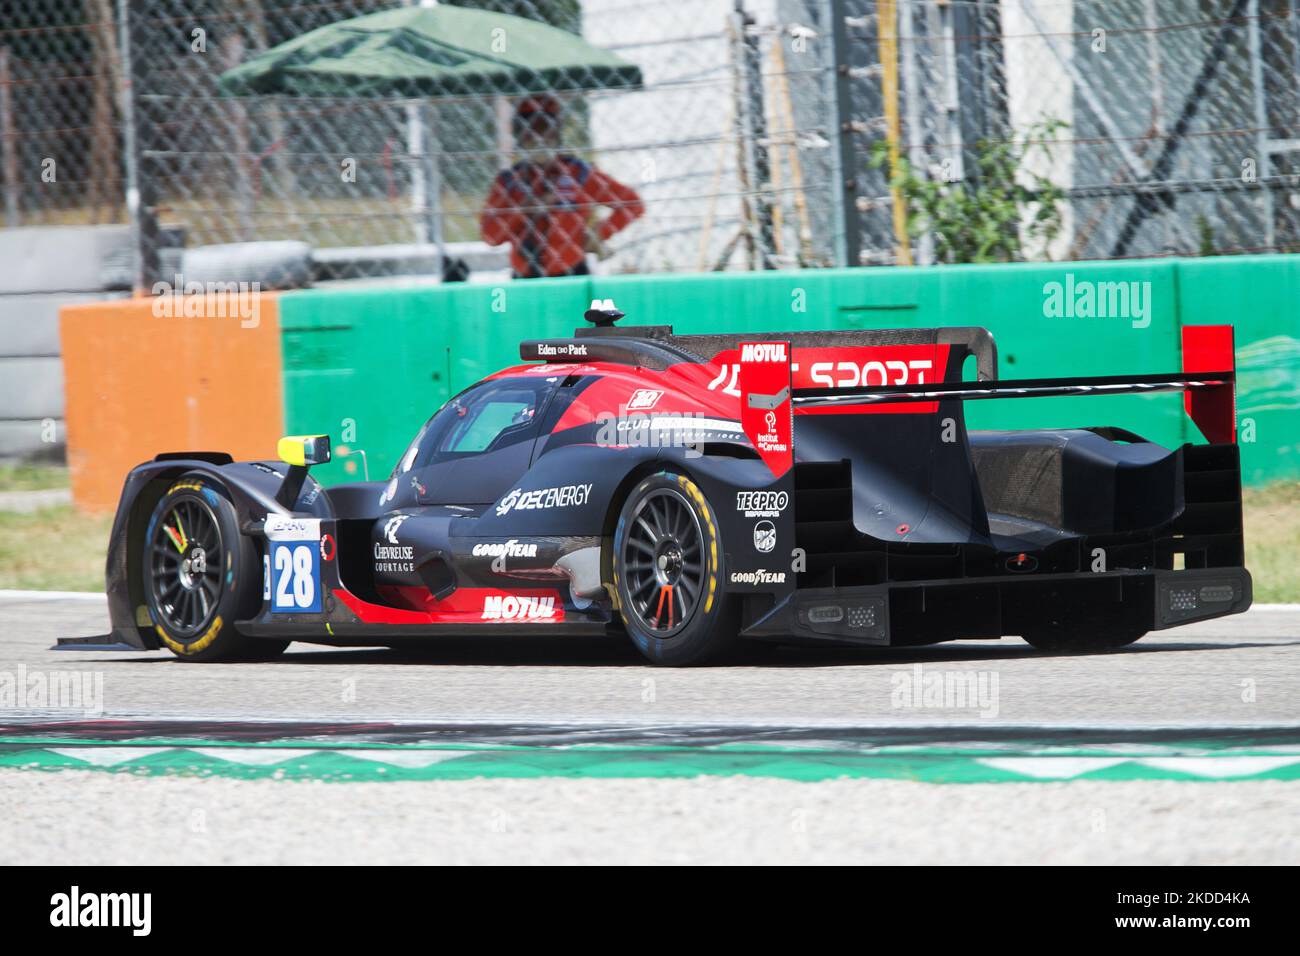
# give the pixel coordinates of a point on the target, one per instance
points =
(762, 134)
(1176, 122)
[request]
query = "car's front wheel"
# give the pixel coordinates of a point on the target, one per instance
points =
(200, 575)
(667, 573)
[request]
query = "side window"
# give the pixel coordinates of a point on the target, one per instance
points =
(491, 422)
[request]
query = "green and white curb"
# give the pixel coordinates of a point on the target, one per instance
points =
(810, 761)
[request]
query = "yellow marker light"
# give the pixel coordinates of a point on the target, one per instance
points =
(304, 449)
(292, 451)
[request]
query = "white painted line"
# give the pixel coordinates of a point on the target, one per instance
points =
(1274, 607)
(52, 596)
(106, 756)
(1051, 768)
(253, 756)
(1219, 767)
(414, 759)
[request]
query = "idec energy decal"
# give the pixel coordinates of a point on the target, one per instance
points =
(765, 405)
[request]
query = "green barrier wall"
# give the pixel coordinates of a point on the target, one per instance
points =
(1260, 295)
(370, 365)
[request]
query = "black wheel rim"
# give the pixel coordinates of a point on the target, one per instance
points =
(663, 562)
(185, 566)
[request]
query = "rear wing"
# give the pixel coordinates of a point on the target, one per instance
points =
(1208, 378)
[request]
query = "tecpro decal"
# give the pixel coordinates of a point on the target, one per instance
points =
(761, 576)
(509, 607)
(565, 496)
(761, 504)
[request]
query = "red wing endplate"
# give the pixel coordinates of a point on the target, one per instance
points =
(766, 407)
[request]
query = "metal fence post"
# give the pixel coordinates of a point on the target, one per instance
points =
(846, 183)
(141, 190)
(8, 148)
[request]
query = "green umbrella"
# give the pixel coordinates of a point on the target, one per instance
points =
(431, 51)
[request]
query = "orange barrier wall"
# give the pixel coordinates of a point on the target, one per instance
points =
(149, 375)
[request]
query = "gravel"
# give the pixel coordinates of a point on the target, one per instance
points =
(84, 818)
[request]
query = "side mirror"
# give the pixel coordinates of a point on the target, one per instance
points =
(304, 449)
(299, 452)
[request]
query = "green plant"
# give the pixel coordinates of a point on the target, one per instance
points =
(1206, 234)
(988, 219)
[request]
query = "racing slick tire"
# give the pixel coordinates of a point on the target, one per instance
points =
(667, 574)
(200, 575)
(1081, 640)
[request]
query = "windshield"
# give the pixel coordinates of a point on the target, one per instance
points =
(487, 417)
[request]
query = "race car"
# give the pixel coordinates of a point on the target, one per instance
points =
(700, 494)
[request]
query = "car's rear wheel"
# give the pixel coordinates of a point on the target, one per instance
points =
(667, 573)
(201, 575)
(1082, 640)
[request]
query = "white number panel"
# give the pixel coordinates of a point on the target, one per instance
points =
(292, 570)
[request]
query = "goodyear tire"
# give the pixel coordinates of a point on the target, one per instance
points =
(200, 575)
(1080, 640)
(667, 574)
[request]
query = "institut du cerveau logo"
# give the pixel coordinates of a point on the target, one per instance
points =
(765, 403)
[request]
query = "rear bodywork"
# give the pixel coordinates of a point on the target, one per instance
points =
(854, 506)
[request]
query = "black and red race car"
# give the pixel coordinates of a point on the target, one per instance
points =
(698, 491)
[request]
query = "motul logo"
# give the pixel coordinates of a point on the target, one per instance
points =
(508, 607)
(763, 352)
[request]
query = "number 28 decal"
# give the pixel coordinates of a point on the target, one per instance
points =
(295, 571)
(291, 569)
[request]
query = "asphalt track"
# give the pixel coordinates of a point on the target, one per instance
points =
(1184, 748)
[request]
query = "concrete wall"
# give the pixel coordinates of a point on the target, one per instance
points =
(46, 268)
